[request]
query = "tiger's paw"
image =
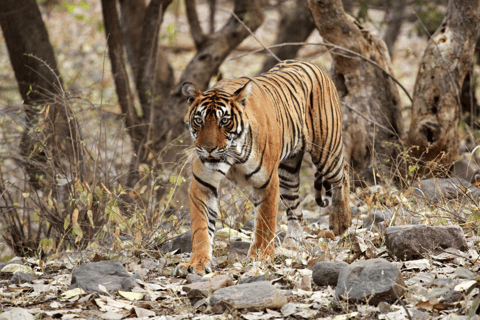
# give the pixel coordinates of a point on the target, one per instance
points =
(257, 252)
(199, 267)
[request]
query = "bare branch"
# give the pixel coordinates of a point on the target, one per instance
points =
(195, 28)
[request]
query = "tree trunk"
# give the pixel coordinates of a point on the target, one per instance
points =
(372, 121)
(295, 25)
(436, 103)
(50, 142)
(395, 17)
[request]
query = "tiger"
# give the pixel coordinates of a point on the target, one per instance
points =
(255, 131)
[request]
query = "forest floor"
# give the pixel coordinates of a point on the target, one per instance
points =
(80, 47)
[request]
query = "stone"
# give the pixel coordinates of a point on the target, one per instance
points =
(251, 296)
(279, 237)
(15, 260)
(466, 169)
(261, 277)
(192, 278)
(110, 274)
(16, 314)
(435, 190)
(402, 216)
(21, 277)
(249, 225)
(371, 281)
(182, 243)
(200, 290)
(375, 217)
(238, 251)
(325, 273)
(414, 242)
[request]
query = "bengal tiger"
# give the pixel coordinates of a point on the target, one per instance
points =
(255, 131)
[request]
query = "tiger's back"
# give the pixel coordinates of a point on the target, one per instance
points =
(256, 131)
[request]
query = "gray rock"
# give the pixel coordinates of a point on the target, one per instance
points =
(466, 169)
(261, 277)
(110, 274)
(200, 290)
(21, 277)
(12, 261)
(251, 296)
(435, 190)
(372, 280)
(16, 314)
(413, 242)
(401, 215)
(375, 217)
(182, 242)
(249, 225)
(280, 236)
(238, 250)
(325, 273)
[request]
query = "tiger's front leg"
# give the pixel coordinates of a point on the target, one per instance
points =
(265, 218)
(203, 195)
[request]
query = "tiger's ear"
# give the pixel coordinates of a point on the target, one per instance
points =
(190, 91)
(241, 95)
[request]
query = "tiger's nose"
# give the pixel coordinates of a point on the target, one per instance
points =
(209, 149)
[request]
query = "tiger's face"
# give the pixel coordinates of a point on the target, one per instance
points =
(216, 123)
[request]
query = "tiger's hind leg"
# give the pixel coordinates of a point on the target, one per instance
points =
(289, 175)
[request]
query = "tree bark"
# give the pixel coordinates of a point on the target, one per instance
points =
(396, 18)
(436, 101)
(295, 25)
(49, 144)
(372, 121)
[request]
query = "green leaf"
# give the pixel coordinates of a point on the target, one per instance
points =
(66, 222)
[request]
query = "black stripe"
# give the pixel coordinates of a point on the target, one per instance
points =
(207, 185)
(257, 169)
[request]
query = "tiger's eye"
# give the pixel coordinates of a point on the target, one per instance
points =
(198, 121)
(225, 121)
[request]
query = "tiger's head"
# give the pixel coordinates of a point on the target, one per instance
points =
(216, 122)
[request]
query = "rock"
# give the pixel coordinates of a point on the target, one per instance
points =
(16, 314)
(249, 225)
(258, 278)
(252, 296)
(199, 290)
(21, 277)
(110, 274)
(401, 216)
(435, 190)
(325, 273)
(238, 250)
(413, 242)
(192, 278)
(466, 169)
(375, 217)
(280, 236)
(374, 280)
(15, 260)
(182, 242)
